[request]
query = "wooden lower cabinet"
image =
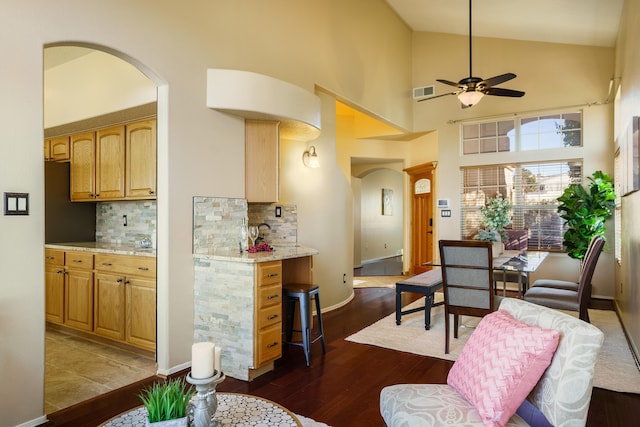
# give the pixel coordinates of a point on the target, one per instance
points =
(125, 300)
(116, 299)
(268, 315)
(79, 299)
(109, 305)
(141, 313)
(54, 293)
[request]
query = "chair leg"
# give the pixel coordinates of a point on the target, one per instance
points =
(455, 326)
(319, 320)
(291, 309)
(398, 307)
(446, 332)
(304, 322)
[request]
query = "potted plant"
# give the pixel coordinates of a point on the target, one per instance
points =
(586, 212)
(167, 403)
(495, 216)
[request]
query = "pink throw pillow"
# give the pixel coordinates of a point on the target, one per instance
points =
(500, 364)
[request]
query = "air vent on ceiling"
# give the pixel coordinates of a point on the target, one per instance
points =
(424, 91)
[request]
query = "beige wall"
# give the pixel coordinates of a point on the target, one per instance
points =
(200, 151)
(628, 271)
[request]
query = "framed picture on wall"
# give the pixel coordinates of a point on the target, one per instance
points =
(387, 201)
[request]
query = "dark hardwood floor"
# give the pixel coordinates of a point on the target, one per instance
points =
(342, 387)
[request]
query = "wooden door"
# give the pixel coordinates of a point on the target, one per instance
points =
(141, 313)
(79, 299)
(110, 152)
(109, 306)
(422, 225)
(83, 166)
(141, 160)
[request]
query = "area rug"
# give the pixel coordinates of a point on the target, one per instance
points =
(615, 369)
(376, 281)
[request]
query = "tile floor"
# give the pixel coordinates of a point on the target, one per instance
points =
(77, 369)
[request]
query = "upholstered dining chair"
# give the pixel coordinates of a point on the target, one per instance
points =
(467, 281)
(565, 295)
(560, 397)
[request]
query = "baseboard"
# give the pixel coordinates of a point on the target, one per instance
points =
(372, 260)
(626, 335)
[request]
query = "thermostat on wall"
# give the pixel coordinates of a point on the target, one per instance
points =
(443, 203)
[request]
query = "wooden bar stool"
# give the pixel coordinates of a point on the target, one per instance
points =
(302, 293)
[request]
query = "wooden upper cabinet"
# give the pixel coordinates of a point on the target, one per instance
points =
(57, 149)
(83, 163)
(110, 164)
(141, 159)
(262, 142)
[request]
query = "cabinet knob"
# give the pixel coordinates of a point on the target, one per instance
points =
(273, 316)
(273, 344)
(273, 296)
(126, 282)
(143, 268)
(49, 257)
(119, 280)
(273, 275)
(60, 272)
(78, 261)
(106, 264)
(152, 192)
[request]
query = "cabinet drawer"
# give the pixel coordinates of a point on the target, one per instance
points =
(82, 260)
(269, 316)
(125, 264)
(269, 344)
(269, 295)
(269, 273)
(53, 257)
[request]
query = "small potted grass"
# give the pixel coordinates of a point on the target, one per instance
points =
(167, 403)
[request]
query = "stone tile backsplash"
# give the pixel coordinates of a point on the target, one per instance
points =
(141, 221)
(217, 222)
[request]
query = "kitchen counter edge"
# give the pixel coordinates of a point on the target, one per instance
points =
(102, 248)
(279, 253)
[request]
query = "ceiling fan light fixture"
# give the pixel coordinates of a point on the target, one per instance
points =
(470, 98)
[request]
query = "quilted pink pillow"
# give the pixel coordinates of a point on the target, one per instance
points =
(500, 364)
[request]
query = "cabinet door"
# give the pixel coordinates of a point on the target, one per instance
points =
(141, 160)
(261, 160)
(79, 299)
(54, 293)
(109, 306)
(141, 313)
(82, 171)
(47, 150)
(59, 149)
(110, 151)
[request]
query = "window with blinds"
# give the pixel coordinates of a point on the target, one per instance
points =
(532, 189)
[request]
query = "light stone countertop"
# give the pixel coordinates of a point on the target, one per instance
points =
(107, 248)
(279, 252)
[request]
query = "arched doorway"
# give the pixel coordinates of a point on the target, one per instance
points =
(87, 87)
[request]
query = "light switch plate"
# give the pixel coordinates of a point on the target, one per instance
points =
(445, 212)
(16, 203)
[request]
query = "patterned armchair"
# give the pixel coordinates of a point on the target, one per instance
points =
(561, 397)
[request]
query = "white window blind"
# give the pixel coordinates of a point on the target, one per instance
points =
(532, 189)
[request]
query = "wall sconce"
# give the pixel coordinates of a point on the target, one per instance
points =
(310, 158)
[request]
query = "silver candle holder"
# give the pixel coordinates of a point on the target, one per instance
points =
(205, 401)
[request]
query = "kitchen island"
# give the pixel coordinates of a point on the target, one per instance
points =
(238, 303)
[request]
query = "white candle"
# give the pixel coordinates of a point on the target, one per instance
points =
(218, 359)
(202, 359)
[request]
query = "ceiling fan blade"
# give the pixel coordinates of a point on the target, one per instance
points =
(494, 81)
(437, 96)
(498, 91)
(447, 82)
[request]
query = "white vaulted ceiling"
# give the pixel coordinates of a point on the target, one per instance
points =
(583, 22)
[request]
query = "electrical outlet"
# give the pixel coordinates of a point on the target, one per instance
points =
(385, 246)
(124, 220)
(344, 278)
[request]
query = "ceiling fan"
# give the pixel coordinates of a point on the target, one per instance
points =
(472, 89)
